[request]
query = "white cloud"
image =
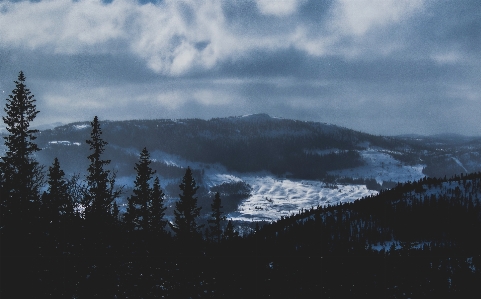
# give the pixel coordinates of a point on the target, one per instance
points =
(356, 29)
(357, 17)
(167, 36)
(278, 7)
(174, 37)
(62, 26)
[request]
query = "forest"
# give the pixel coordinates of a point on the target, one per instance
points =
(65, 238)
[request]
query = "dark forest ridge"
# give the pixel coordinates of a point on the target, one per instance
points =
(261, 142)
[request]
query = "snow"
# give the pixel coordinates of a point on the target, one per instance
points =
(81, 127)
(272, 198)
(64, 142)
(387, 245)
(381, 166)
(460, 164)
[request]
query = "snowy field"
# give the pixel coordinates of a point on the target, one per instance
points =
(382, 167)
(272, 198)
(275, 197)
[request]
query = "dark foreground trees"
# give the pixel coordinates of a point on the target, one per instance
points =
(215, 223)
(145, 210)
(101, 190)
(157, 222)
(186, 210)
(20, 175)
(57, 204)
(137, 216)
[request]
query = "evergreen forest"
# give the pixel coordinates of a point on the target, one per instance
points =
(65, 237)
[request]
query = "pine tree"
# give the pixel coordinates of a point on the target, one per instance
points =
(229, 232)
(100, 182)
(186, 210)
(57, 205)
(215, 229)
(139, 202)
(129, 216)
(115, 211)
(20, 174)
(157, 209)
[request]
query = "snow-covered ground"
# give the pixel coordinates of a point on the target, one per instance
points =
(382, 167)
(272, 198)
(275, 197)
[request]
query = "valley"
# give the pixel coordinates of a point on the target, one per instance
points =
(288, 165)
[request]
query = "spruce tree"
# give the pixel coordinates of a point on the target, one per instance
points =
(186, 210)
(115, 211)
(215, 229)
(129, 216)
(20, 174)
(57, 205)
(100, 182)
(139, 202)
(157, 209)
(229, 232)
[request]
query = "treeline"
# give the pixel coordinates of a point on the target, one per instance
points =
(418, 239)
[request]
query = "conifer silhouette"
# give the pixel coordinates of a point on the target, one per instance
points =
(186, 210)
(20, 175)
(100, 182)
(57, 205)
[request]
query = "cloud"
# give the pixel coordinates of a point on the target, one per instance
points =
(175, 37)
(369, 64)
(278, 8)
(358, 17)
(167, 36)
(62, 26)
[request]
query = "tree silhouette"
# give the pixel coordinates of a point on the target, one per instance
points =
(186, 210)
(100, 182)
(56, 202)
(157, 209)
(216, 228)
(20, 175)
(229, 232)
(138, 204)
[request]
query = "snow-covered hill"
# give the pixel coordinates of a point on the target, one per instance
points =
(289, 165)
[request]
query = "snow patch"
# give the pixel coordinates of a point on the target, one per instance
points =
(64, 142)
(382, 167)
(81, 127)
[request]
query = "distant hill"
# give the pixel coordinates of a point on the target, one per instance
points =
(306, 150)
(304, 163)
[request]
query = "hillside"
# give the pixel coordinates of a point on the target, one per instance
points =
(274, 167)
(367, 224)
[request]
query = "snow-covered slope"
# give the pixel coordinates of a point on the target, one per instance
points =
(284, 162)
(382, 167)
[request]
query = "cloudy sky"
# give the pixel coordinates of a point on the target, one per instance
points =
(380, 66)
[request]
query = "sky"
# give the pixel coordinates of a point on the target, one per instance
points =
(380, 66)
